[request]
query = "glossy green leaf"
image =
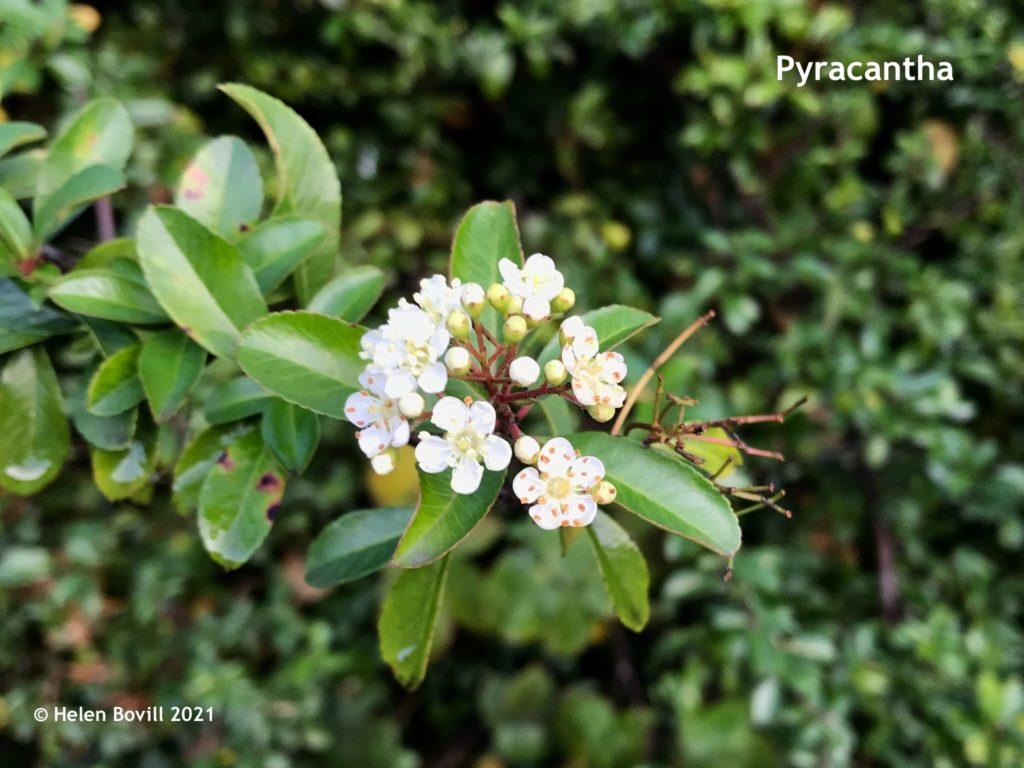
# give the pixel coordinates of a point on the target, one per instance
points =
(236, 399)
(15, 230)
(110, 336)
(665, 492)
(614, 324)
(292, 434)
(277, 246)
(239, 499)
(104, 254)
(443, 518)
(408, 619)
(67, 201)
(35, 431)
(22, 323)
(124, 473)
(98, 134)
(200, 279)
(170, 364)
(117, 293)
(17, 133)
(221, 187)
(351, 295)
(307, 183)
(19, 173)
(111, 433)
(559, 417)
(308, 359)
(116, 387)
(198, 459)
(355, 545)
(487, 234)
(623, 570)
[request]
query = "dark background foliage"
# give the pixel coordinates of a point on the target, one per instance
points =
(862, 244)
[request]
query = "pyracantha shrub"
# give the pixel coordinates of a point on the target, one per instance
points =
(206, 349)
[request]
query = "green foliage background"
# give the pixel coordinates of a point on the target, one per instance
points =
(863, 245)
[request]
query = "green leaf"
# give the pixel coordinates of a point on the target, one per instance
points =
(355, 545)
(111, 433)
(67, 201)
(110, 336)
(239, 500)
(443, 518)
(124, 473)
(198, 459)
(35, 431)
(19, 173)
(351, 295)
(199, 279)
(668, 493)
(99, 134)
(116, 292)
(22, 323)
(169, 366)
(623, 570)
(560, 418)
(221, 187)
(236, 399)
(614, 324)
(408, 619)
(15, 230)
(17, 133)
(291, 433)
(105, 254)
(487, 234)
(307, 359)
(277, 246)
(307, 183)
(116, 387)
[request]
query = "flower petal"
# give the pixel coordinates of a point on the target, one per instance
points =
(399, 431)
(432, 453)
(556, 457)
(466, 476)
(548, 516)
(537, 307)
(450, 414)
(614, 366)
(374, 439)
(497, 453)
(581, 510)
(585, 344)
(587, 470)
(399, 383)
(584, 394)
(528, 485)
(434, 378)
(358, 408)
(572, 327)
(481, 417)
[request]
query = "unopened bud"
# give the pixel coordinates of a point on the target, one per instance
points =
(498, 296)
(564, 301)
(554, 372)
(604, 492)
(473, 299)
(524, 371)
(458, 325)
(411, 405)
(515, 329)
(384, 463)
(514, 306)
(601, 412)
(526, 449)
(457, 361)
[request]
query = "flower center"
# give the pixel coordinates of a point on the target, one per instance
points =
(468, 443)
(417, 356)
(559, 487)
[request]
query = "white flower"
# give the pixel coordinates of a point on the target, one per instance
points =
(405, 350)
(381, 424)
(570, 328)
(437, 298)
(457, 360)
(526, 449)
(468, 439)
(558, 487)
(383, 463)
(536, 283)
(595, 377)
(524, 371)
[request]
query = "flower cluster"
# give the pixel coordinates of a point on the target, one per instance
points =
(439, 336)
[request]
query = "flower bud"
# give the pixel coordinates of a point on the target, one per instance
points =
(564, 301)
(527, 449)
(533, 318)
(473, 299)
(601, 412)
(515, 329)
(384, 463)
(498, 296)
(554, 372)
(458, 325)
(457, 361)
(604, 492)
(524, 371)
(411, 405)
(514, 306)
